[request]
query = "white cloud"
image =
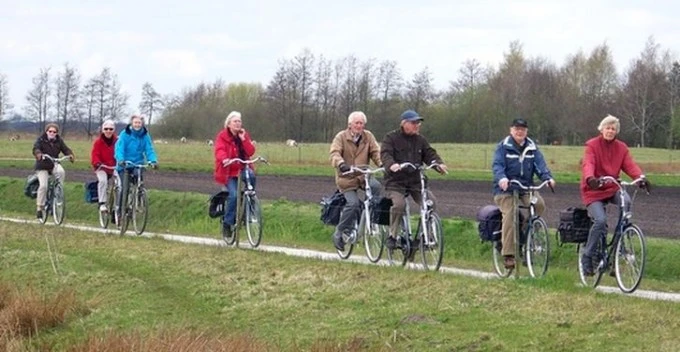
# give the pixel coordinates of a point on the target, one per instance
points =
(184, 63)
(221, 41)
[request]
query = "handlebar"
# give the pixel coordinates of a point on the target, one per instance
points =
(228, 162)
(106, 167)
(432, 165)
(533, 188)
(363, 170)
(137, 166)
(621, 183)
(56, 160)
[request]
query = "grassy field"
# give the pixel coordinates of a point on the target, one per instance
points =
(465, 161)
(131, 290)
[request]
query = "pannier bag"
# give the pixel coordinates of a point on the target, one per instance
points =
(31, 186)
(490, 219)
(574, 225)
(331, 208)
(91, 194)
(217, 203)
(380, 212)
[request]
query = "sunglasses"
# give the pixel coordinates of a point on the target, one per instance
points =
(108, 129)
(416, 122)
(51, 131)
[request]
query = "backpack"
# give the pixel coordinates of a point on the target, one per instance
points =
(91, 192)
(31, 186)
(217, 203)
(331, 208)
(574, 225)
(490, 219)
(380, 210)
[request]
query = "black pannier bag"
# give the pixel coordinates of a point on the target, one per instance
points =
(217, 204)
(380, 210)
(31, 186)
(91, 192)
(574, 225)
(331, 208)
(490, 219)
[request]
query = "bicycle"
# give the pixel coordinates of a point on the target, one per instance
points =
(627, 244)
(372, 234)
(248, 200)
(134, 203)
(54, 199)
(533, 242)
(428, 236)
(112, 189)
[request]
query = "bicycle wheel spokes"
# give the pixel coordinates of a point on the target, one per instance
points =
(253, 220)
(537, 248)
(498, 261)
(432, 246)
(140, 210)
(629, 262)
(374, 237)
(598, 266)
(58, 204)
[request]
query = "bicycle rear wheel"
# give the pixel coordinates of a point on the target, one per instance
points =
(253, 220)
(498, 260)
(140, 210)
(629, 262)
(399, 254)
(432, 251)
(537, 248)
(58, 203)
(374, 236)
(598, 265)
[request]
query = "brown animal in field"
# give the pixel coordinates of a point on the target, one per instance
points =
(15, 137)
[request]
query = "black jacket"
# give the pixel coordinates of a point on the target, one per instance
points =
(398, 147)
(52, 148)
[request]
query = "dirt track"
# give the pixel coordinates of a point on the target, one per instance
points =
(656, 214)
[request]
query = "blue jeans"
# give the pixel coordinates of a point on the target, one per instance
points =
(232, 188)
(352, 209)
(598, 213)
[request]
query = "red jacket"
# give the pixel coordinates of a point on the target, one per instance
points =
(225, 148)
(102, 152)
(605, 158)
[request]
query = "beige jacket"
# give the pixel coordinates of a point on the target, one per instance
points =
(343, 149)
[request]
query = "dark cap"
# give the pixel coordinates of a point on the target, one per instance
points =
(411, 115)
(519, 123)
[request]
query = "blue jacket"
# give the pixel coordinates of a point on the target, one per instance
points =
(510, 163)
(134, 146)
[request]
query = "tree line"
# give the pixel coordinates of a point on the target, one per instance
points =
(310, 96)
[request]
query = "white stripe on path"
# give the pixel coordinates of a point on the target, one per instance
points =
(308, 253)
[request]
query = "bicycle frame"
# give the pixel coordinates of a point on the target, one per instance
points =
(52, 183)
(249, 191)
(427, 204)
(125, 194)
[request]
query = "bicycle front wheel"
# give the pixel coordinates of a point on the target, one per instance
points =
(125, 208)
(537, 248)
(253, 220)
(58, 203)
(629, 262)
(432, 246)
(140, 210)
(498, 260)
(374, 236)
(399, 253)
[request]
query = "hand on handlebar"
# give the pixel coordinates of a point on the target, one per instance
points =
(442, 169)
(503, 184)
(226, 162)
(395, 167)
(645, 185)
(154, 165)
(594, 183)
(343, 168)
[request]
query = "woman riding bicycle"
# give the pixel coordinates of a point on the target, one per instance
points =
(49, 143)
(353, 146)
(232, 142)
(516, 158)
(604, 156)
(405, 145)
(102, 154)
(134, 147)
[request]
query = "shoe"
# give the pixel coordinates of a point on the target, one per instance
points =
(509, 262)
(102, 208)
(226, 232)
(338, 242)
(612, 273)
(587, 266)
(391, 243)
(39, 214)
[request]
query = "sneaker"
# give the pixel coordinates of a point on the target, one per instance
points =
(226, 232)
(587, 266)
(39, 214)
(102, 208)
(509, 261)
(391, 243)
(338, 242)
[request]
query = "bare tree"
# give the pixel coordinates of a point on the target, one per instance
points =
(420, 91)
(673, 108)
(4, 95)
(117, 100)
(151, 102)
(102, 89)
(38, 98)
(68, 94)
(301, 76)
(88, 104)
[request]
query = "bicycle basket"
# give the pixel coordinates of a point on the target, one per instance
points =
(31, 186)
(490, 219)
(91, 193)
(217, 204)
(331, 208)
(380, 213)
(574, 225)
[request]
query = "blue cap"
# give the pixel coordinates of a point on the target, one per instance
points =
(410, 115)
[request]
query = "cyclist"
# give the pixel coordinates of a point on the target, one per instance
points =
(517, 157)
(233, 141)
(134, 145)
(353, 146)
(102, 155)
(604, 156)
(49, 143)
(405, 144)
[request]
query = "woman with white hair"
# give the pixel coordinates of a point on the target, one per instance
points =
(102, 154)
(604, 156)
(233, 141)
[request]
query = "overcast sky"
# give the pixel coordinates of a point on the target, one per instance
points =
(176, 44)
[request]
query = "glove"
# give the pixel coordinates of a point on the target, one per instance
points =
(594, 183)
(38, 156)
(154, 166)
(646, 185)
(343, 167)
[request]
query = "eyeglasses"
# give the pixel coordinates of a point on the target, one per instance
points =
(51, 131)
(108, 129)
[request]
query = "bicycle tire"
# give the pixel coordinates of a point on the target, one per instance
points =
(537, 248)
(349, 240)
(599, 267)
(58, 203)
(140, 207)
(373, 235)
(400, 254)
(630, 258)
(498, 260)
(253, 220)
(124, 216)
(432, 253)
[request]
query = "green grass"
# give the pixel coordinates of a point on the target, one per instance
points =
(465, 161)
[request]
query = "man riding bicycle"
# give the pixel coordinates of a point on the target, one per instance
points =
(516, 158)
(351, 147)
(49, 143)
(405, 144)
(604, 156)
